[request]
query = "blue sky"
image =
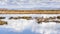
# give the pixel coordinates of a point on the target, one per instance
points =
(30, 5)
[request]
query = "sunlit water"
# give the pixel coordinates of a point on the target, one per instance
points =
(22, 24)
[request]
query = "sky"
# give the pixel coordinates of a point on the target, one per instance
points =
(30, 4)
(23, 26)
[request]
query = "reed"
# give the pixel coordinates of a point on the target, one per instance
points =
(29, 11)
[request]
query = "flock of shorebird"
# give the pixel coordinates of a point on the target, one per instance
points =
(38, 19)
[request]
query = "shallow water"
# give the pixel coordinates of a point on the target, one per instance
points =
(23, 25)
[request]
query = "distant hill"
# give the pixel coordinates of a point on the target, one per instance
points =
(3, 9)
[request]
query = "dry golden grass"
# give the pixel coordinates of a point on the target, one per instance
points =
(29, 11)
